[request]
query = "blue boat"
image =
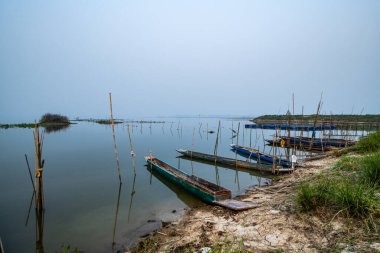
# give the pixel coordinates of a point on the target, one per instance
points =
(259, 156)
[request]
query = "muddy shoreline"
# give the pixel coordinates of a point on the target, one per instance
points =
(274, 226)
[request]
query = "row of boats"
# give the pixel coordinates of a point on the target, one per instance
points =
(311, 143)
(208, 191)
(217, 195)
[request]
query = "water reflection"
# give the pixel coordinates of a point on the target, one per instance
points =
(133, 191)
(116, 215)
(184, 196)
(51, 128)
(40, 222)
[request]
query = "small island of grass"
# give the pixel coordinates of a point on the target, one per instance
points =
(51, 122)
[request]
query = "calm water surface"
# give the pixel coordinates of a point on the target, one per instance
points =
(85, 205)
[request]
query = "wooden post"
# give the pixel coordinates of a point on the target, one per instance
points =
(237, 143)
(132, 151)
(215, 154)
(114, 139)
(39, 164)
(315, 122)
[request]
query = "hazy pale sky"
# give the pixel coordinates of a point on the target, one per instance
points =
(187, 57)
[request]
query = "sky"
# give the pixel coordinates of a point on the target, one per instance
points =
(198, 57)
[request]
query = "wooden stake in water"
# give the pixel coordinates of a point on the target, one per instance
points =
(132, 151)
(216, 153)
(114, 139)
(315, 122)
(39, 164)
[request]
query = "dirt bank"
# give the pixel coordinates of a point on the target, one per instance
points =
(275, 226)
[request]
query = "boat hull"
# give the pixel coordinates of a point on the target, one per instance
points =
(258, 155)
(190, 183)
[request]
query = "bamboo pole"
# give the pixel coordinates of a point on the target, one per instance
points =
(114, 139)
(39, 163)
(315, 122)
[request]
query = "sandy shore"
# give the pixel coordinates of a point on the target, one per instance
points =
(274, 226)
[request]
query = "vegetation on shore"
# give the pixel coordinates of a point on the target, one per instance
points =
(352, 187)
(325, 118)
(51, 122)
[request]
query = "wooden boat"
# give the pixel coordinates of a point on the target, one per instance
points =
(231, 162)
(262, 157)
(185, 196)
(203, 189)
(300, 146)
(318, 141)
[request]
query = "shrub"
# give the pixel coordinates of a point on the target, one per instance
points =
(54, 118)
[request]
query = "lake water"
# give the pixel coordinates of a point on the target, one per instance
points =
(85, 206)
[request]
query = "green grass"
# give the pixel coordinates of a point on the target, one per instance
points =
(339, 193)
(369, 144)
(370, 169)
(352, 186)
(347, 164)
(310, 196)
(357, 198)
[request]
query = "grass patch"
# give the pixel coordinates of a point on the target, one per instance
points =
(358, 199)
(369, 144)
(347, 164)
(339, 193)
(312, 195)
(350, 186)
(370, 169)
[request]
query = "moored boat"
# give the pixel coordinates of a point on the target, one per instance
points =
(328, 142)
(203, 189)
(232, 162)
(259, 156)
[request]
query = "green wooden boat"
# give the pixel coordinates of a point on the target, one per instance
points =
(203, 189)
